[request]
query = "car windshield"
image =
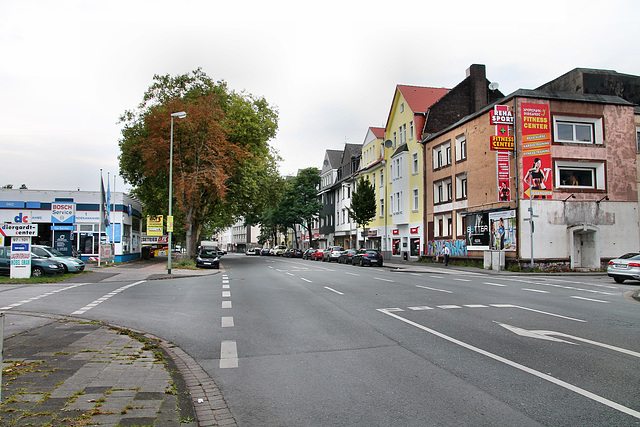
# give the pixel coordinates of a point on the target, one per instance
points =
(208, 252)
(55, 252)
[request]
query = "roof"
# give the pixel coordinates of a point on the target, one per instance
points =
(418, 98)
(332, 159)
(536, 94)
(378, 132)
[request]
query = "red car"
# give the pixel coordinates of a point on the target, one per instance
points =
(317, 255)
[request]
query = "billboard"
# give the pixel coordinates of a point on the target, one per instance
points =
(536, 151)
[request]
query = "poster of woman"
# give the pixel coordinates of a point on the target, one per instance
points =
(503, 230)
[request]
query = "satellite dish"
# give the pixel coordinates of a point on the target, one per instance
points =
(388, 143)
(494, 85)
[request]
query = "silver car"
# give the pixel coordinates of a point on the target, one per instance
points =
(625, 267)
(71, 264)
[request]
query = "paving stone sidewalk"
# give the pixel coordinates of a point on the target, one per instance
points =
(69, 373)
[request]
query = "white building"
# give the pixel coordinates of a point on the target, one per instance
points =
(80, 226)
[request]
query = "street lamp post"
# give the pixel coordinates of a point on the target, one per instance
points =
(180, 115)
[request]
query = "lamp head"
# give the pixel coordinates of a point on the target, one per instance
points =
(179, 114)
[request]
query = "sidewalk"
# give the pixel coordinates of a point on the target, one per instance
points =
(64, 371)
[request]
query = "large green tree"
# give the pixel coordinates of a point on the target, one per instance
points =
(363, 204)
(223, 166)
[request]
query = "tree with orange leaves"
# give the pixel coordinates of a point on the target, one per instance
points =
(220, 148)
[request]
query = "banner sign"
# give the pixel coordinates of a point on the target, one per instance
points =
(154, 240)
(503, 230)
(20, 258)
(504, 183)
(12, 230)
(63, 213)
(536, 151)
(63, 242)
(155, 225)
(477, 231)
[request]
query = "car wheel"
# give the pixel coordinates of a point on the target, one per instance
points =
(380, 263)
(66, 270)
(37, 272)
(361, 263)
(619, 279)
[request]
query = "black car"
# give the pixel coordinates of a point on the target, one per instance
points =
(39, 266)
(346, 256)
(293, 253)
(307, 253)
(367, 257)
(208, 258)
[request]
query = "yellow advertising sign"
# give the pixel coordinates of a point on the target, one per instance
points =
(155, 225)
(169, 223)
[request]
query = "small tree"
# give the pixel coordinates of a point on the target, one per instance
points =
(363, 205)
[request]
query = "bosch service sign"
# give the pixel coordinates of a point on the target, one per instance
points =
(63, 213)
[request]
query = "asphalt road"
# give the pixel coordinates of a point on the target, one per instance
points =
(301, 343)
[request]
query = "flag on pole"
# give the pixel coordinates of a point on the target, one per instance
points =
(105, 210)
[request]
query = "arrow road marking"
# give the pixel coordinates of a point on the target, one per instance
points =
(544, 335)
(546, 377)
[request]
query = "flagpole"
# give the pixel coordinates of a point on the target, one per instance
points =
(100, 219)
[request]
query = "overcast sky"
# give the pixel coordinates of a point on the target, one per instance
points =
(68, 69)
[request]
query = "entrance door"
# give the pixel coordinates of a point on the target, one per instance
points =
(585, 254)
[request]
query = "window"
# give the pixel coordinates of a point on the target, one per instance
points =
(410, 130)
(416, 200)
(402, 107)
(461, 148)
(381, 208)
(415, 163)
(381, 178)
(580, 130)
(442, 155)
(442, 191)
(391, 205)
(580, 175)
(461, 186)
(394, 140)
(442, 226)
(397, 164)
(637, 138)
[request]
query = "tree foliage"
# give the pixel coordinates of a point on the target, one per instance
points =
(363, 203)
(223, 166)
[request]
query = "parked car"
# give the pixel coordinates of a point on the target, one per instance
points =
(307, 254)
(332, 253)
(39, 266)
(625, 267)
(253, 251)
(265, 252)
(278, 250)
(346, 256)
(367, 257)
(70, 263)
(208, 258)
(293, 253)
(317, 255)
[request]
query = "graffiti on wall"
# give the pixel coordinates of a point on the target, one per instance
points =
(457, 247)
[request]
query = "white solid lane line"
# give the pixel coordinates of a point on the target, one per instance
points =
(104, 298)
(516, 365)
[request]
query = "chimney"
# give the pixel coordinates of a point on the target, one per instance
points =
(478, 86)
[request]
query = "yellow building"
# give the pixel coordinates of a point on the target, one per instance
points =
(372, 168)
(402, 166)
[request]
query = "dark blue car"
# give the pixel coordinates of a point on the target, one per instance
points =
(367, 257)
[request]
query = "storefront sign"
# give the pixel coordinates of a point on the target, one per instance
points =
(11, 230)
(501, 142)
(413, 230)
(63, 242)
(501, 114)
(154, 240)
(20, 258)
(155, 225)
(536, 151)
(63, 213)
(396, 231)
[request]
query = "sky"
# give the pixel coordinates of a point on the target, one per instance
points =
(69, 69)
